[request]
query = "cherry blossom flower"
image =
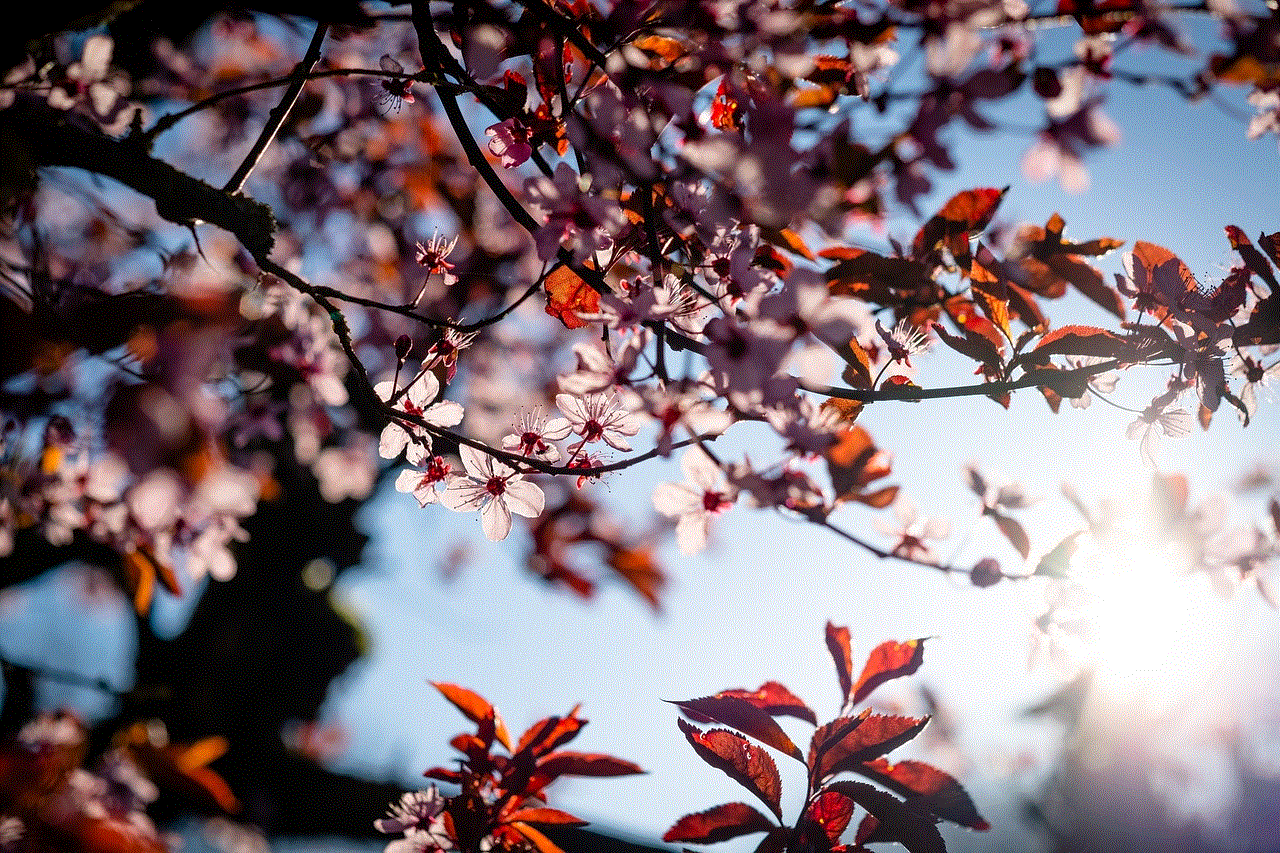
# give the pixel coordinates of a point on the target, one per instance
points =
(1101, 383)
(1154, 422)
(693, 504)
(88, 82)
(913, 531)
(419, 815)
(493, 488)
(596, 417)
(598, 372)
(904, 341)
(421, 480)
(444, 352)
(1267, 102)
(417, 401)
(532, 437)
(509, 142)
(582, 221)
(432, 255)
(1257, 377)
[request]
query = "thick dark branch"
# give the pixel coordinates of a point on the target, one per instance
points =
(54, 138)
(912, 393)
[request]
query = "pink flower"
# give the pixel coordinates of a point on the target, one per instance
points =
(421, 481)
(417, 402)
(1154, 421)
(694, 503)
(509, 142)
(583, 222)
(495, 489)
(532, 438)
(432, 255)
(596, 417)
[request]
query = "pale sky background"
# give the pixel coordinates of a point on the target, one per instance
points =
(752, 608)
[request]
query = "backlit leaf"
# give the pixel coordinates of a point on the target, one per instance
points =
(927, 788)
(539, 841)
(895, 820)
(878, 734)
(890, 659)
(1012, 531)
(741, 716)
(568, 294)
(718, 823)
(475, 708)
(832, 812)
(776, 700)
(842, 654)
(585, 764)
(744, 762)
(545, 815)
(965, 214)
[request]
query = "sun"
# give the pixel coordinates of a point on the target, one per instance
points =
(1154, 628)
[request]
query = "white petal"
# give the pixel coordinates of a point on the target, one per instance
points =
(691, 532)
(672, 499)
(463, 495)
(524, 498)
(445, 413)
(495, 521)
(392, 440)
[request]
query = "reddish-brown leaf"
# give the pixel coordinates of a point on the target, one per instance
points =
(895, 820)
(966, 213)
(1078, 340)
(927, 788)
(854, 462)
(741, 716)
(877, 735)
(545, 815)
(842, 654)
(475, 708)
(1088, 281)
(829, 734)
(975, 346)
(585, 764)
(567, 294)
(744, 762)
(776, 700)
(718, 823)
(890, 659)
(831, 811)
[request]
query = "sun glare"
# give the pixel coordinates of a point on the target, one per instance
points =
(1154, 629)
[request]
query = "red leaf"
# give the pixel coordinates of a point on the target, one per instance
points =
(832, 811)
(895, 820)
(878, 734)
(546, 734)
(776, 700)
(1078, 340)
(927, 788)
(567, 294)
(744, 762)
(585, 764)
(964, 214)
(475, 707)
(888, 660)
(842, 654)
(545, 815)
(742, 716)
(718, 823)
(829, 734)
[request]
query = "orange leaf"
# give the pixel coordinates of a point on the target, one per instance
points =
(966, 213)
(545, 815)
(568, 294)
(540, 842)
(475, 707)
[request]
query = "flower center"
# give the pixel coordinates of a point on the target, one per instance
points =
(496, 486)
(592, 430)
